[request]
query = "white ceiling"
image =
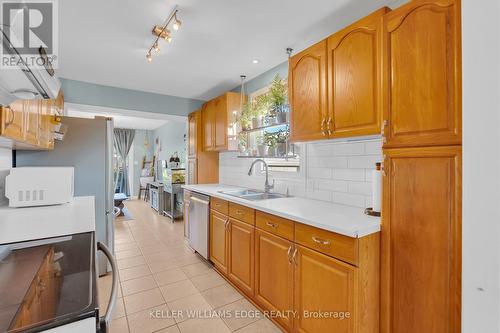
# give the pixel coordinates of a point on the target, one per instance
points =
(123, 118)
(105, 42)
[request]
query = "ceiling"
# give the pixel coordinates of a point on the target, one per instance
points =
(105, 42)
(123, 118)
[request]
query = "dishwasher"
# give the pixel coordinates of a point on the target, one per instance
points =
(198, 220)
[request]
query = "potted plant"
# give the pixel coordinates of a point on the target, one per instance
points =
(261, 147)
(278, 98)
(281, 142)
(260, 108)
(242, 143)
(270, 139)
(246, 116)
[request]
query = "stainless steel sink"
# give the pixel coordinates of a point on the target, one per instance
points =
(253, 195)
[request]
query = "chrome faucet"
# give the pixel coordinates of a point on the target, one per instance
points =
(267, 187)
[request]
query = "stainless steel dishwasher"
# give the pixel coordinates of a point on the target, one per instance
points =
(198, 223)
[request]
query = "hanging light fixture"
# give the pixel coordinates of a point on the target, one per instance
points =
(162, 32)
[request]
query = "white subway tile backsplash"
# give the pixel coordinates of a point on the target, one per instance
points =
(338, 172)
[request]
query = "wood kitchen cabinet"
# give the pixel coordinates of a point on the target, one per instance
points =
(307, 82)
(274, 272)
(13, 121)
(241, 255)
(219, 240)
(422, 74)
(421, 240)
(354, 57)
(203, 166)
(323, 285)
(218, 115)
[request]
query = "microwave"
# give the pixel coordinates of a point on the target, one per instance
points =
(39, 186)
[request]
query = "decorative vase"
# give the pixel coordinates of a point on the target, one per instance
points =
(262, 150)
(282, 114)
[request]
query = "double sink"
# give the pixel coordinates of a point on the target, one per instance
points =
(254, 195)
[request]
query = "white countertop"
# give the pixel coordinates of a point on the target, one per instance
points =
(30, 223)
(346, 220)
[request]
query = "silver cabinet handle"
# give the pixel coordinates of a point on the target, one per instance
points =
(294, 255)
(321, 241)
(272, 225)
(199, 200)
(11, 118)
(226, 224)
(105, 320)
(323, 126)
(289, 254)
(328, 127)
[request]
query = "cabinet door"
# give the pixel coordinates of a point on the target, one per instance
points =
(274, 275)
(46, 136)
(323, 286)
(193, 133)
(241, 255)
(13, 121)
(354, 58)
(219, 240)
(32, 112)
(220, 135)
(308, 93)
(208, 126)
(192, 171)
(422, 74)
(421, 240)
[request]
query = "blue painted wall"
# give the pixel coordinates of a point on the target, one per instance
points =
(93, 94)
(172, 137)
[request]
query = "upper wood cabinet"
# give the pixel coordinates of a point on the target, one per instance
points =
(217, 115)
(307, 82)
(421, 240)
(354, 57)
(422, 74)
(13, 121)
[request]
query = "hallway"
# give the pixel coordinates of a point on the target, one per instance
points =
(165, 287)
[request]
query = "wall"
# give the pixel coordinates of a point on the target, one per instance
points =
(139, 151)
(98, 95)
(481, 166)
(5, 165)
(172, 137)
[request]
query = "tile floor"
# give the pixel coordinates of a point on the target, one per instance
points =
(160, 276)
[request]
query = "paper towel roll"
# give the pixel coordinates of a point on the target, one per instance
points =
(376, 190)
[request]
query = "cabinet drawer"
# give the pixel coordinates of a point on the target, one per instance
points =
(335, 245)
(275, 225)
(219, 205)
(242, 213)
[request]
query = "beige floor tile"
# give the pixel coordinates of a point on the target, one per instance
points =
(178, 290)
(134, 272)
(143, 300)
(119, 310)
(153, 249)
(125, 247)
(188, 259)
(131, 262)
(159, 257)
(128, 253)
(119, 326)
(221, 295)
(209, 280)
(160, 266)
(196, 269)
(170, 276)
(171, 329)
(203, 325)
(260, 326)
(189, 306)
(104, 284)
(240, 314)
(124, 240)
(133, 286)
(150, 320)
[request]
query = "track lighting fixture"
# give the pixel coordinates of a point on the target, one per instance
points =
(163, 32)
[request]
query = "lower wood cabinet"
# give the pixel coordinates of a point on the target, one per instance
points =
(324, 293)
(274, 275)
(241, 255)
(219, 240)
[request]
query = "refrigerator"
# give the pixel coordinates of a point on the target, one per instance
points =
(88, 147)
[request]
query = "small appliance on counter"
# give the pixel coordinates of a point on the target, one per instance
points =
(39, 186)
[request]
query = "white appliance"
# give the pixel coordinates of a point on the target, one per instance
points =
(23, 81)
(198, 219)
(39, 186)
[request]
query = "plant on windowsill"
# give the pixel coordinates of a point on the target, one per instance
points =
(282, 142)
(278, 100)
(260, 109)
(262, 148)
(270, 140)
